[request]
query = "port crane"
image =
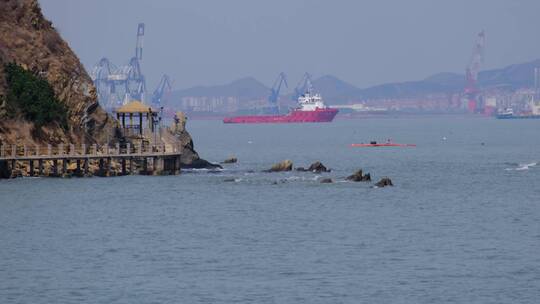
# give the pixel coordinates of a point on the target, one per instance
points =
(471, 74)
(303, 86)
(119, 85)
(274, 92)
(164, 88)
(537, 83)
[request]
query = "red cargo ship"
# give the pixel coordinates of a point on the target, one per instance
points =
(311, 108)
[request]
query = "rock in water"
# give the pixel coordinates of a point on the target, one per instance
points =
(359, 177)
(285, 165)
(318, 167)
(326, 181)
(385, 181)
(230, 160)
(301, 169)
(200, 163)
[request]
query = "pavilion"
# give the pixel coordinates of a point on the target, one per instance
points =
(136, 109)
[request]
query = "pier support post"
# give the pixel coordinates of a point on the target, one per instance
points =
(160, 165)
(31, 162)
(145, 165)
(78, 166)
(131, 165)
(55, 167)
(109, 165)
(64, 165)
(123, 166)
(40, 165)
(178, 164)
(100, 164)
(86, 165)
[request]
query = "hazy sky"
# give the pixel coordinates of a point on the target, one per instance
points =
(204, 42)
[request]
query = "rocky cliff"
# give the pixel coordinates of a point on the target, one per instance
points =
(31, 41)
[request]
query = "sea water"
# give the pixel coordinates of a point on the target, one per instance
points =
(460, 225)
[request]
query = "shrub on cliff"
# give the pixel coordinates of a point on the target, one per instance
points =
(34, 97)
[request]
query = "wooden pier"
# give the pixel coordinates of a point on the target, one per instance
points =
(92, 159)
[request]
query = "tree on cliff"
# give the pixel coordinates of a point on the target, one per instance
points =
(33, 97)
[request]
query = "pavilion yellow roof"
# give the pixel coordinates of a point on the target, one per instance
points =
(135, 107)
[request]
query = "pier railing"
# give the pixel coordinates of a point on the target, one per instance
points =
(8, 152)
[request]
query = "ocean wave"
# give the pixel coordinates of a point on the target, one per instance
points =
(522, 166)
(202, 170)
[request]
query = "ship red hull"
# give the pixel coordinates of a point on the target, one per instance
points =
(383, 145)
(295, 116)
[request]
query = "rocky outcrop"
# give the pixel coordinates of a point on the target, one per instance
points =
(318, 167)
(358, 176)
(31, 41)
(199, 163)
(385, 181)
(28, 39)
(190, 158)
(230, 160)
(326, 181)
(285, 165)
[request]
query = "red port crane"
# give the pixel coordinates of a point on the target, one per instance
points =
(471, 82)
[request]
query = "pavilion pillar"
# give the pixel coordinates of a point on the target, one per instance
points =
(123, 120)
(131, 121)
(140, 123)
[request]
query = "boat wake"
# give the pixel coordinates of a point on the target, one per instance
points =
(522, 167)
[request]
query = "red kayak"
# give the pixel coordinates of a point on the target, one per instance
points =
(374, 144)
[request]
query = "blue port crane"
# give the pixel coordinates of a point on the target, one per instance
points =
(276, 88)
(164, 87)
(302, 87)
(119, 85)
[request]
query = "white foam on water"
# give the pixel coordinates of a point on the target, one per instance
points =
(522, 167)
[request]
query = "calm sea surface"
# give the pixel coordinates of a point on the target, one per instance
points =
(461, 224)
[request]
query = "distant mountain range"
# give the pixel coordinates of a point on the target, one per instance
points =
(337, 91)
(247, 88)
